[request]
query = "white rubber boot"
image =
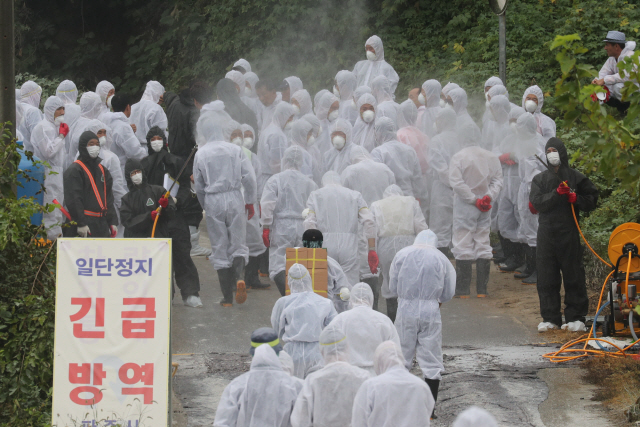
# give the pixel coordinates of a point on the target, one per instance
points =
(196, 249)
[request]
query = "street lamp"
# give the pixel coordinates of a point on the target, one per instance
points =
(499, 7)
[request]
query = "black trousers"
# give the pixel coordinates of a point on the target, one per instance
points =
(559, 259)
(185, 271)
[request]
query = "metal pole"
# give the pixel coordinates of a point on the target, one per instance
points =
(7, 72)
(503, 47)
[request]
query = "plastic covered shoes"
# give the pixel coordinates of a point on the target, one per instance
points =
(546, 326)
(196, 249)
(193, 301)
(576, 326)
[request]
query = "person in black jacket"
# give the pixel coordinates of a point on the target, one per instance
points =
(138, 213)
(233, 105)
(559, 251)
(87, 193)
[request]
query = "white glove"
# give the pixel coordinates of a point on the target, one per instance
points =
(174, 200)
(84, 231)
(305, 213)
(345, 294)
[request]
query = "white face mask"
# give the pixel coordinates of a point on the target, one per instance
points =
(553, 158)
(58, 120)
(288, 125)
(156, 145)
(421, 99)
(93, 151)
(311, 141)
(247, 91)
(137, 179)
(530, 106)
(109, 101)
(513, 125)
(371, 56)
(338, 142)
(103, 141)
(296, 109)
(487, 104)
(442, 103)
(449, 106)
(336, 92)
(237, 141)
(333, 115)
(368, 116)
(247, 143)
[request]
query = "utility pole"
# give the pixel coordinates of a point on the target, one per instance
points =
(7, 70)
(499, 7)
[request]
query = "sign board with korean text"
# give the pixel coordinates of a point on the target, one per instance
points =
(112, 334)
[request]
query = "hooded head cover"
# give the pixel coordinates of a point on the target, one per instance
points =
(50, 107)
(386, 356)
(244, 64)
(376, 43)
(153, 92)
(156, 131)
(265, 336)
(381, 88)
(538, 93)
(359, 154)
(469, 136)
(459, 98)
(432, 89)
(385, 130)
(130, 166)
(315, 123)
(333, 344)
(252, 79)
(409, 114)
(367, 98)
(96, 126)
(316, 99)
(304, 101)
(342, 125)
(498, 90)
(229, 128)
(331, 178)
(299, 132)
(449, 87)
(299, 279)
(265, 358)
(292, 158)
(500, 108)
(295, 84)
(527, 140)
(67, 91)
(245, 127)
(83, 154)
(238, 78)
(426, 237)
(493, 81)
(392, 190)
(562, 150)
(388, 109)
(210, 126)
(30, 93)
(446, 120)
(19, 112)
(90, 105)
(283, 113)
(102, 89)
(361, 90)
(516, 112)
(324, 104)
(346, 81)
(361, 295)
(475, 417)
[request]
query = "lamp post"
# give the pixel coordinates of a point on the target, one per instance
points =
(499, 7)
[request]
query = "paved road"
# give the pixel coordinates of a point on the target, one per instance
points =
(488, 359)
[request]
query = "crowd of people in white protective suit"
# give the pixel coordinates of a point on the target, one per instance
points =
(391, 190)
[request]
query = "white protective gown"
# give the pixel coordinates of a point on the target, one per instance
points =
(148, 113)
(337, 212)
(398, 220)
(346, 83)
(367, 70)
(545, 124)
(321, 109)
(220, 171)
(30, 93)
(264, 396)
(363, 133)
(68, 92)
(381, 89)
(412, 136)
(337, 281)
(303, 99)
(102, 89)
(334, 159)
(441, 149)
(125, 144)
(299, 319)
(283, 199)
(272, 144)
(473, 173)
(427, 124)
(326, 399)
(466, 125)
(299, 137)
(400, 158)
(495, 122)
(487, 117)
(422, 277)
(395, 397)
(312, 145)
(48, 146)
(364, 328)
(89, 110)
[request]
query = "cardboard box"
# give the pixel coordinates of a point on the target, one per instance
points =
(315, 260)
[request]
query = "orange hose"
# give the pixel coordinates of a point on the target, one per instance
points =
(155, 221)
(573, 209)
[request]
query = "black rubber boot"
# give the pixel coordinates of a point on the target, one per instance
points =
(533, 278)
(463, 278)
(483, 268)
(530, 264)
(225, 276)
(263, 264)
(251, 276)
(515, 260)
(238, 273)
(434, 385)
(504, 252)
(375, 288)
(392, 308)
(280, 281)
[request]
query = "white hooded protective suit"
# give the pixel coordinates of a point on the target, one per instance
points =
(48, 146)
(299, 319)
(148, 113)
(337, 281)
(102, 89)
(244, 64)
(465, 122)
(486, 116)
(441, 149)
(312, 147)
(398, 220)
(381, 89)
(422, 277)
(264, 396)
(68, 93)
(283, 199)
(30, 93)
(337, 212)
(363, 133)
(400, 158)
(272, 144)
(412, 136)
(346, 84)
(220, 171)
(322, 107)
(295, 84)
(545, 124)
(473, 173)
(326, 399)
(334, 159)
(89, 110)
(361, 90)
(367, 70)
(125, 144)
(364, 327)
(475, 417)
(299, 137)
(395, 397)
(495, 129)
(303, 99)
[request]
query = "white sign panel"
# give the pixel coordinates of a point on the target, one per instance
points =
(111, 352)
